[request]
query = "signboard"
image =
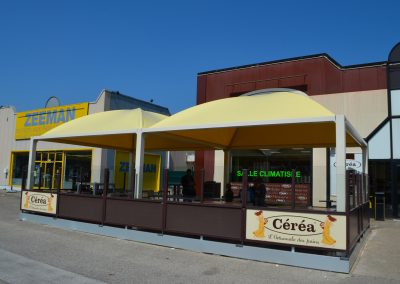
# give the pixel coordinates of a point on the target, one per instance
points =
(301, 229)
(36, 122)
(39, 202)
(151, 171)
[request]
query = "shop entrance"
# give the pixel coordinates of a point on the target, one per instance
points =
(384, 177)
(52, 167)
(48, 167)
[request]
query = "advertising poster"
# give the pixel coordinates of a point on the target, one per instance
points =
(151, 171)
(301, 229)
(39, 202)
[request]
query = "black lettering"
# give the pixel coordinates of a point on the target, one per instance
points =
(286, 225)
(310, 228)
(302, 226)
(276, 225)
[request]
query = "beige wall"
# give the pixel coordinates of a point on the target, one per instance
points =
(365, 110)
(7, 126)
(319, 177)
(219, 169)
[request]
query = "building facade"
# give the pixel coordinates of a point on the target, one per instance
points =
(367, 94)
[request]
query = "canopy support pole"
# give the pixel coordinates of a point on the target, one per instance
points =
(31, 164)
(139, 164)
(227, 170)
(131, 172)
(340, 164)
(365, 171)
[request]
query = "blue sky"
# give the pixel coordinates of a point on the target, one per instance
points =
(154, 49)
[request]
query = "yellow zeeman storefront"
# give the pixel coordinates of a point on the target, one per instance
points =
(52, 166)
(64, 160)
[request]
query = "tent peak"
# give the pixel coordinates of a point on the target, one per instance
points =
(273, 90)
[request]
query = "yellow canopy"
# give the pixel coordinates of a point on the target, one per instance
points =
(266, 119)
(110, 129)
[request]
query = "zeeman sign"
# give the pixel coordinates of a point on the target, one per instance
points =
(37, 122)
(151, 171)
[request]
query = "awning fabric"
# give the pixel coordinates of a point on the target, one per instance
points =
(110, 129)
(265, 120)
(277, 119)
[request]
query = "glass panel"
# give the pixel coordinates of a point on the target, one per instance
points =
(37, 175)
(58, 156)
(20, 167)
(273, 169)
(77, 170)
(353, 162)
(38, 156)
(48, 175)
(50, 157)
(396, 138)
(57, 174)
(379, 145)
(380, 181)
(45, 156)
(395, 97)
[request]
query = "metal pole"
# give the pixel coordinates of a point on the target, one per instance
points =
(244, 205)
(340, 163)
(31, 165)
(105, 190)
(164, 201)
(293, 188)
(40, 177)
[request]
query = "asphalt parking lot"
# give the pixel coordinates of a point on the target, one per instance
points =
(41, 254)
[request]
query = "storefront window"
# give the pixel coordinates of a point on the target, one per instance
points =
(77, 170)
(275, 168)
(50, 169)
(20, 165)
(380, 180)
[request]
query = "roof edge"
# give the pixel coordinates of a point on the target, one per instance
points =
(325, 55)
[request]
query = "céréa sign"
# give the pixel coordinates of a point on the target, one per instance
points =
(300, 229)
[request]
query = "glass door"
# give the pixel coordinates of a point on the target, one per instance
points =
(48, 176)
(48, 170)
(37, 174)
(57, 175)
(380, 180)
